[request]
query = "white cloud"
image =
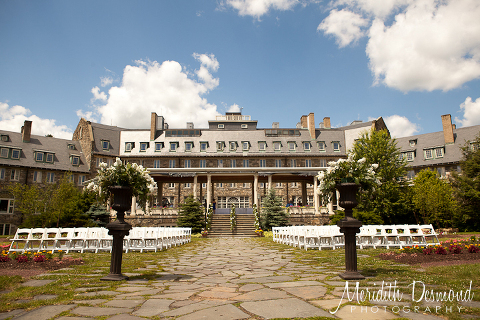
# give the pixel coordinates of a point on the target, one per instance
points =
(106, 81)
(98, 95)
(471, 113)
(12, 119)
(400, 126)
(166, 89)
(257, 8)
(234, 108)
(414, 44)
(345, 25)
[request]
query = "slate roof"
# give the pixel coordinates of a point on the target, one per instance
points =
(105, 132)
(452, 152)
(47, 144)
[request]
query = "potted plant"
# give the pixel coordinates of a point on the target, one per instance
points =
(122, 181)
(259, 233)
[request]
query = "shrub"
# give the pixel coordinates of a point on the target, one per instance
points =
(440, 250)
(473, 249)
(428, 250)
(39, 258)
(22, 258)
(4, 257)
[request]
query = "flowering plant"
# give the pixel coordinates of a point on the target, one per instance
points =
(346, 170)
(126, 175)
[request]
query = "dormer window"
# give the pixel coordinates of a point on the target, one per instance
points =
(4, 152)
(75, 160)
(291, 145)
(4, 138)
(49, 158)
(158, 146)
(188, 146)
(321, 145)
(71, 146)
(143, 146)
(39, 156)
(244, 126)
(220, 145)
(105, 145)
(262, 145)
(245, 145)
(306, 146)
(203, 146)
(221, 126)
(336, 145)
(412, 142)
(277, 146)
(15, 154)
(129, 146)
(173, 146)
(233, 145)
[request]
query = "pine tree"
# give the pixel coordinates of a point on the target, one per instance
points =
(191, 215)
(273, 213)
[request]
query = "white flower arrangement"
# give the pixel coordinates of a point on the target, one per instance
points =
(119, 174)
(346, 170)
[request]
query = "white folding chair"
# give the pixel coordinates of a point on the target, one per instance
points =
(34, 242)
(105, 241)
(63, 239)
(135, 240)
(92, 240)
(429, 234)
(20, 239)
(49, 239)
(77, 243)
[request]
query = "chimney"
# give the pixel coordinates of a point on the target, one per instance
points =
(304, 121)
(448, 129)
(190, 125)
(275, 125)
(326, 123)
(153, 126)
(26, 131)
(311, 125)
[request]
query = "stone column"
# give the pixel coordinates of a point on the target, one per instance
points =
(270, 178)
(315, 195)
(209, 189)
(304, 193)
(133, 210)
(255, 189)
(195, 179)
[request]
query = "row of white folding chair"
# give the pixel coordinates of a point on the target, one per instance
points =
(156, 238)
(320, 237)
(396, 236)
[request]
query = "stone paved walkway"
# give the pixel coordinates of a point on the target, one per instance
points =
(223, 279)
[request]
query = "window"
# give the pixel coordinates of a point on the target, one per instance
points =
(220, 145)
(412, 143)
(321, 145)
(323, 162)
(233, 145)
(263, 163)
(71, 146)
(219, 185)
(50, 177)
(410, 156)
(15, 154)
(158, 146)
(81, 179)
(173, 146)
(308, 163)
(37, 176)
(473, 146)
(171, 164)
(188, 146)
(410, 174)
(144, 146)
(72, 178)
(49, 158)
(278, 163)
(244, 126)
(156, 163)
(105, 145)
(99, 160)
(220, 163)
(429, 154)
(15, 175)
(6, 205)
(439, 153)
(171, 185)
(4, 152)
(233, 163)
(5, 229)
(277, 146)
(203, 146)
(293, 163)
(75, 160)
(187, 163)
(39, 156)
(221, 126)
(336, 146)
(291, 146)
(306, 146)
(262, 145)
(187, 185)
(245, 145)
(4, 138)
(203, 163)
(128, 146)
(2, 173)
(246, 163)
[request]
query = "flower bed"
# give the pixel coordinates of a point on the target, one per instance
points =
(452, 250)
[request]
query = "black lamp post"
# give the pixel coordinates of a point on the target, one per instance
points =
(122, 200)
(349, 226)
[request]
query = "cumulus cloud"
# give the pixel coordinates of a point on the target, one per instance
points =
(106, 81)
(234, 108)
(345, 25)
(165, 88)
(471, 113)
(414, 45)
(257, 8)
(400, 126)
(13, 117)
(98, 95)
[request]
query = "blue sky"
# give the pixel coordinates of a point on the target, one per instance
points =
(114, 62)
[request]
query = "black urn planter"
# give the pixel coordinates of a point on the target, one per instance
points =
(122, 200)
(349, 226)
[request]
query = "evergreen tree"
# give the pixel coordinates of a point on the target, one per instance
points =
(466, 185)
(191, 215)
(386, 201)
(273, 213)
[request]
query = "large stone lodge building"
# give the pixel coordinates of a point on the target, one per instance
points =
(232, 162)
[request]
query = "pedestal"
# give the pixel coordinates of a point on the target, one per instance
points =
(349, 226)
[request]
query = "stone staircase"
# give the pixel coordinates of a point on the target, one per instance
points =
(221, 226)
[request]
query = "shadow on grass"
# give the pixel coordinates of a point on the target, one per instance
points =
(375, 272)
